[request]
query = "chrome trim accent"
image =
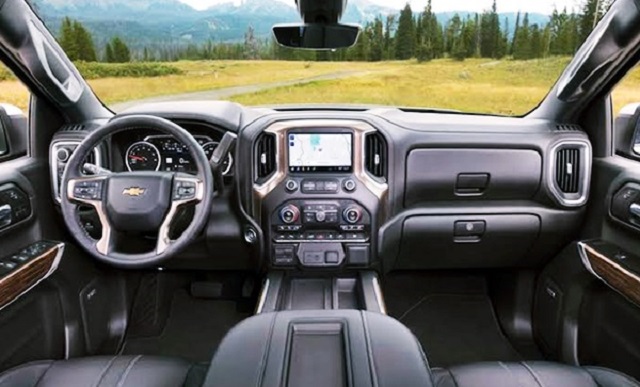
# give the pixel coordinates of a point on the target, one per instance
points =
(126, 154)
(378, 292)
(582, 250)
(6, 216)
(104, 243)
(163, 234)
(53, 164)
(634, 209)
(263, 296)
(581, 198)
(279, 129)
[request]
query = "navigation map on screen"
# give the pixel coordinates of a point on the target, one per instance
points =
(320, 152)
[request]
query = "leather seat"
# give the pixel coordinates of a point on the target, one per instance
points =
(529, 374)
(105, 371)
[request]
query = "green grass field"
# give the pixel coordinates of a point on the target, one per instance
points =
(477, 85)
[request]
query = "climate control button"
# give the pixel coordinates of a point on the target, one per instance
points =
(352, 215)
(289, 214)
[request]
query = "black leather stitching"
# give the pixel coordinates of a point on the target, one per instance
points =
(367, 339)
(104, 371)
(263, 362)
(533, 374)
(124, 375)
(44, 373)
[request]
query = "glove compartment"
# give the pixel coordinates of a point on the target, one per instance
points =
(468, 174)
(466, 241)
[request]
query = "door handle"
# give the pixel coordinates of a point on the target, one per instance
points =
(634, 209)
(5, 215)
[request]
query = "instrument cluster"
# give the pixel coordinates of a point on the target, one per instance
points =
(165, 153)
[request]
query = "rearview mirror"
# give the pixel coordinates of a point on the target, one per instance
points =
(316, 36)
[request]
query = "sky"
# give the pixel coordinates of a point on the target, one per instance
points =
(538, 6)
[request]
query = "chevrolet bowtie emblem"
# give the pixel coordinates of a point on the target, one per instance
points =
(134, 191)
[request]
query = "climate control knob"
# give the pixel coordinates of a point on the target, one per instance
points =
(289, 214)
(352, 215)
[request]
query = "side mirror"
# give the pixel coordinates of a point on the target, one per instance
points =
(13, 132)
(316, 36)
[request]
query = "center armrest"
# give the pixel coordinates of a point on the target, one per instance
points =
(319, 348)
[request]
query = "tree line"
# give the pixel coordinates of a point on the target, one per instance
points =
(402, 36)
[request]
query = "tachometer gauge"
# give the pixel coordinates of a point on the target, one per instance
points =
(142, 156)
(228, 161)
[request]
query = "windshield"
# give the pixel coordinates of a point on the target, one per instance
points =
(492, 57)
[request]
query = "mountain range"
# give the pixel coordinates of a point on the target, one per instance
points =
(161, 22)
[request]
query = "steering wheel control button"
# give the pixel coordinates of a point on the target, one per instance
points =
(352, 215)
(349, 185)
(88, 190)
(289, 214)
(291, 185)
(185, 190)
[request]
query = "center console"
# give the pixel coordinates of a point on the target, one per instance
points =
(320, 193)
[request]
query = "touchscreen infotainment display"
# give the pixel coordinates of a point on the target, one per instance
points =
(320, 152)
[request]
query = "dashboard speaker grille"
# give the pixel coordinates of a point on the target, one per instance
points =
(568, 170)
(376, 155)
(266, 155)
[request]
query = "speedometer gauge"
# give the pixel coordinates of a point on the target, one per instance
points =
(142, 156)
(228, 161)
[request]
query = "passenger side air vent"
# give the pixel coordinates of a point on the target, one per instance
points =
(375, 156)
(569, 175)
(265, 155)
(568, 170)
(568, 128)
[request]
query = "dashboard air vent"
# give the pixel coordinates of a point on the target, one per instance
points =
(73, 128)
(568, 128)
(375, 157)
(568, 170)
(266, 155)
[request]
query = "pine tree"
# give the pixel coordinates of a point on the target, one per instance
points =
(376, 46)
(490, 33)
(108, 56)
(389, 38)
(119, 51)
(592, 12)
(515, 34)
(67, 39)
(431, 43)
(84, 43)
(522, 47)
(537, 46)
(406, 35)
(469, 32)
(251, 48)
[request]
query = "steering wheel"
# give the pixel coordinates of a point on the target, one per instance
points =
(139, 202)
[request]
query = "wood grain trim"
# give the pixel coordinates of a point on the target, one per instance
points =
(620, 279)
(27, 276)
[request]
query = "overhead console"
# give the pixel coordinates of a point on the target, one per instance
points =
(318, 192)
